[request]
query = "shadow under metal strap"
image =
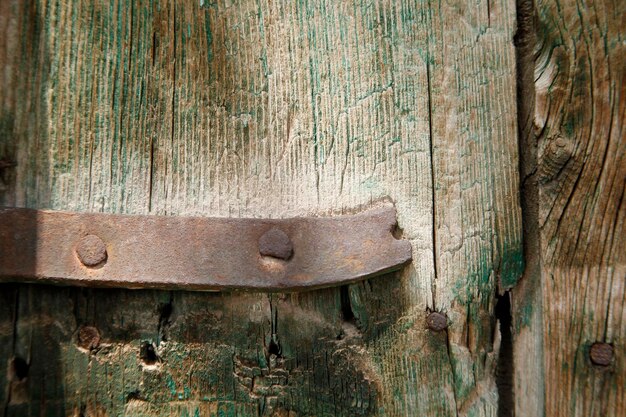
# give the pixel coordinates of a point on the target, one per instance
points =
(197, 253)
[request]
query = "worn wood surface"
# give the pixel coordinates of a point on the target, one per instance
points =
(574, 122)
(579, 112)
(265, 109)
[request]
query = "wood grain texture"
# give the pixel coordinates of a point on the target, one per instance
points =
(267, 109)
(579, 114)
(579, 179)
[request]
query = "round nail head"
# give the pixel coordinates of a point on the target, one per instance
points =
(91, 251)
(601, 354)
(276, 243)
(88, 337)
(437, 321)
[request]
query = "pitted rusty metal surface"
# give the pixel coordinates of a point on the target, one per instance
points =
(197, 253)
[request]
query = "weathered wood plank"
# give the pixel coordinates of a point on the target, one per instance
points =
(271, 109)
(580, 109)
(478, 241)
(576, 117)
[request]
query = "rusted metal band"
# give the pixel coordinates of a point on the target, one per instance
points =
(196, 253)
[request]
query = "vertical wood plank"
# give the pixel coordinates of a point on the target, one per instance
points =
(576, 116)
(579, 113)
(478, 241)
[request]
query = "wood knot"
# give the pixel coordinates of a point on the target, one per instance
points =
(555, 156)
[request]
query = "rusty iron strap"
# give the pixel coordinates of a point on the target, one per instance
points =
(197, 253)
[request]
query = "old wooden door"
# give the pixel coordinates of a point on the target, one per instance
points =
(495, 128)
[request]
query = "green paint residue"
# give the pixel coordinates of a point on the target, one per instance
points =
(569, 125)
(208, 34)
(185, 394)
(171, 385)
(524, 315)
(405, 326)
(370, 183)
(512, 266)
(227, 411)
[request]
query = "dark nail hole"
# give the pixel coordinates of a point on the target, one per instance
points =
(148, 354)
(134, 395)
(20, 368)
(346, 305)
(165, 312)
(274, 348)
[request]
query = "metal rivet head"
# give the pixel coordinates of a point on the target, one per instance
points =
(276, 243)
(91, 251)
(437, 321)
(88, 337)
(601, 354)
